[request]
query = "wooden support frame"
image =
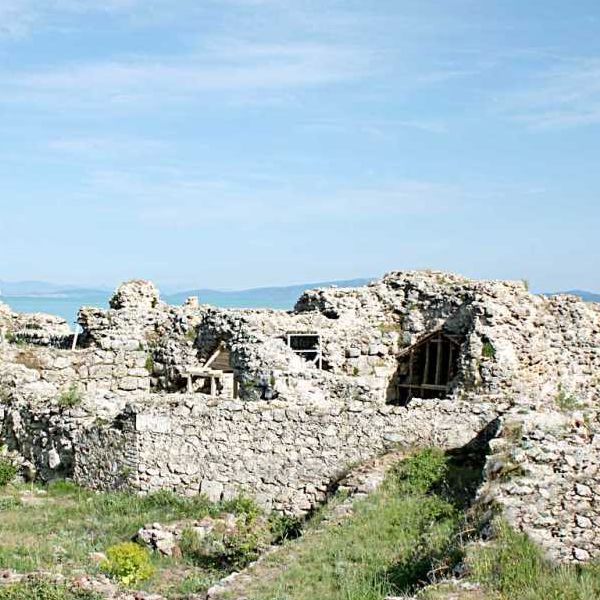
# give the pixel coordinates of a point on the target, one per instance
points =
(431, 366)
(318, 360)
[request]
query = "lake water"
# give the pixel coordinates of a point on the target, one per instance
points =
(63, 307)
(281, 298)
(67, 308)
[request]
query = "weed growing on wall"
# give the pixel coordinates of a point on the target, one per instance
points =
(71, 397)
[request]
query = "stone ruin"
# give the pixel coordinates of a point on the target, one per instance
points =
(279, 404)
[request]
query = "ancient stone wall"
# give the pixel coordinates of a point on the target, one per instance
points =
(544, 473)
(34, 328)
(92, 371)
(296, 428)
(285, 454)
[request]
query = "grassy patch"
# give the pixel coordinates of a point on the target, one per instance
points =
(43, 590)
(515, 569)
(488, 351)
(56, 528)
(149, 364)
(391, 544)
(567, 401)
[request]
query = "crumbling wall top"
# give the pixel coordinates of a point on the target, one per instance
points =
(137, 293)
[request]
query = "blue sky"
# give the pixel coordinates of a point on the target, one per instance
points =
(238, 143)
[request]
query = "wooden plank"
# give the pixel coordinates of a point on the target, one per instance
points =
(424, 381)
(425, 386)
(438, 362)
(214, 355)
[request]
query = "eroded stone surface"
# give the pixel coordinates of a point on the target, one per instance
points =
(117, 412)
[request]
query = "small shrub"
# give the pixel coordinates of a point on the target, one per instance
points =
(8, 471)
(242, 505)
(488, 350)
(149, 364)
(422, 471)
(223, 548)
(128, 563)
(507, 468)
(70, 397)
(390, 328)
(513, 431)
(284, 527)
(566, 401)
(526, 285)
(246, 543)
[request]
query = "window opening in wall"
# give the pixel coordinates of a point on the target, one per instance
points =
(216, 376)
(307, 345)
(427, 368)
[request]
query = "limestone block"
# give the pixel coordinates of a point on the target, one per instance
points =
(211, 489)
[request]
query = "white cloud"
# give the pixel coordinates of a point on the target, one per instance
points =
(16, 18)
(168, 200)
(561, 96)
(220, 68)
(107, 146)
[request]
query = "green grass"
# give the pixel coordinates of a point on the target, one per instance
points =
(389, 545)
(57, 527)
(412, 531)
(71, 397)
(409, 534)
(488, 350)
(42, 590)
(514, 567)
(565, 401)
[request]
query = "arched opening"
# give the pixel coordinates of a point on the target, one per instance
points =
(426, 369)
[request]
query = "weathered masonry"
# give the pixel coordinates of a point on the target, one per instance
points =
(278, 404)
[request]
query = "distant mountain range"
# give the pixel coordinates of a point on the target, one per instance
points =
(270, 297)
(587, 296)
(66, 300)
(45, 289)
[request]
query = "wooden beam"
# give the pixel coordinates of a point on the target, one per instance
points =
(425, 386)
(426, 364)
(438, 362)
(214, 355)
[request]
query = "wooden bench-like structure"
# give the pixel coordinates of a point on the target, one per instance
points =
(214, 370)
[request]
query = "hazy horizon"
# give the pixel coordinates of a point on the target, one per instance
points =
(253, 143)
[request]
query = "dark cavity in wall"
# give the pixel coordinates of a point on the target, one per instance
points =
(427, 369)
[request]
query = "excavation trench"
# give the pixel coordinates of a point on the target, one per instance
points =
(447, 513)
